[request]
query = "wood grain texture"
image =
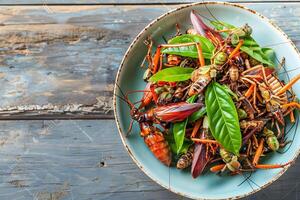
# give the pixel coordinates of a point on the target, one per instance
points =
(120, 2)
(61, 61)
(72, 159)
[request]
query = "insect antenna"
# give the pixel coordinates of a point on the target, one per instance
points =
(210, 12)
(129, 128)
(287, 71)
(131, 105)
(125, 97)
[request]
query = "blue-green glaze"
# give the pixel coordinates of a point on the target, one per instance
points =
(208, 185)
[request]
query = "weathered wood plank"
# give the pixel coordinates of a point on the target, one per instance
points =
(61, 60)
(73, 160)
(120, 2)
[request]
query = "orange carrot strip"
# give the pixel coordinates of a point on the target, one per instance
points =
(200, 54)
(292, 117)
(249, 91)
(258, 152)
(271, 166)
(196, 128)
(205, 141)
(289, 85)
(291, 104)
(217, 168)
(236, 49)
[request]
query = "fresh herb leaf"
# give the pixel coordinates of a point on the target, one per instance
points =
(197, 115)
(179, 129)
(269, 53)
(173, 74)
(222, 25)
(223, 118)
(257, 54)
(179, 134)
(191, 50)
(171, 141)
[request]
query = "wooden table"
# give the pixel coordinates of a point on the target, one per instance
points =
(58, 138)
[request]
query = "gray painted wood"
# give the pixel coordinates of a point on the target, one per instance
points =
(61, 61)
(75, 159)
(121, 2)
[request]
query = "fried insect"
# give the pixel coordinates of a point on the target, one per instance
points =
(271, 139)
(231, 161)
(272, 90)
(156, 142)
(186, 159)
(199, 85)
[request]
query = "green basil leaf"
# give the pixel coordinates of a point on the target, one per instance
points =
(257, 55)
(185, 147)
(250, 42)
(190, 51)
(219, 25)
(223, 118)
(192, 99)
(173, 74)
(171, 141)
(269, 53)
(197, 115)
(179, 129)
(179, 134)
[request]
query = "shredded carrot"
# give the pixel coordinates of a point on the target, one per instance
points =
(292, 117)
(271, 166)
(200, 54)
(258, 152)
(196, 128)
(236, 49)
(205, 141)
(217, 168)
(289, 85)
(291, 104)
(249, 91)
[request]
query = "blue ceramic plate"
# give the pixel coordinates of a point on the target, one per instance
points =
(208, 185)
